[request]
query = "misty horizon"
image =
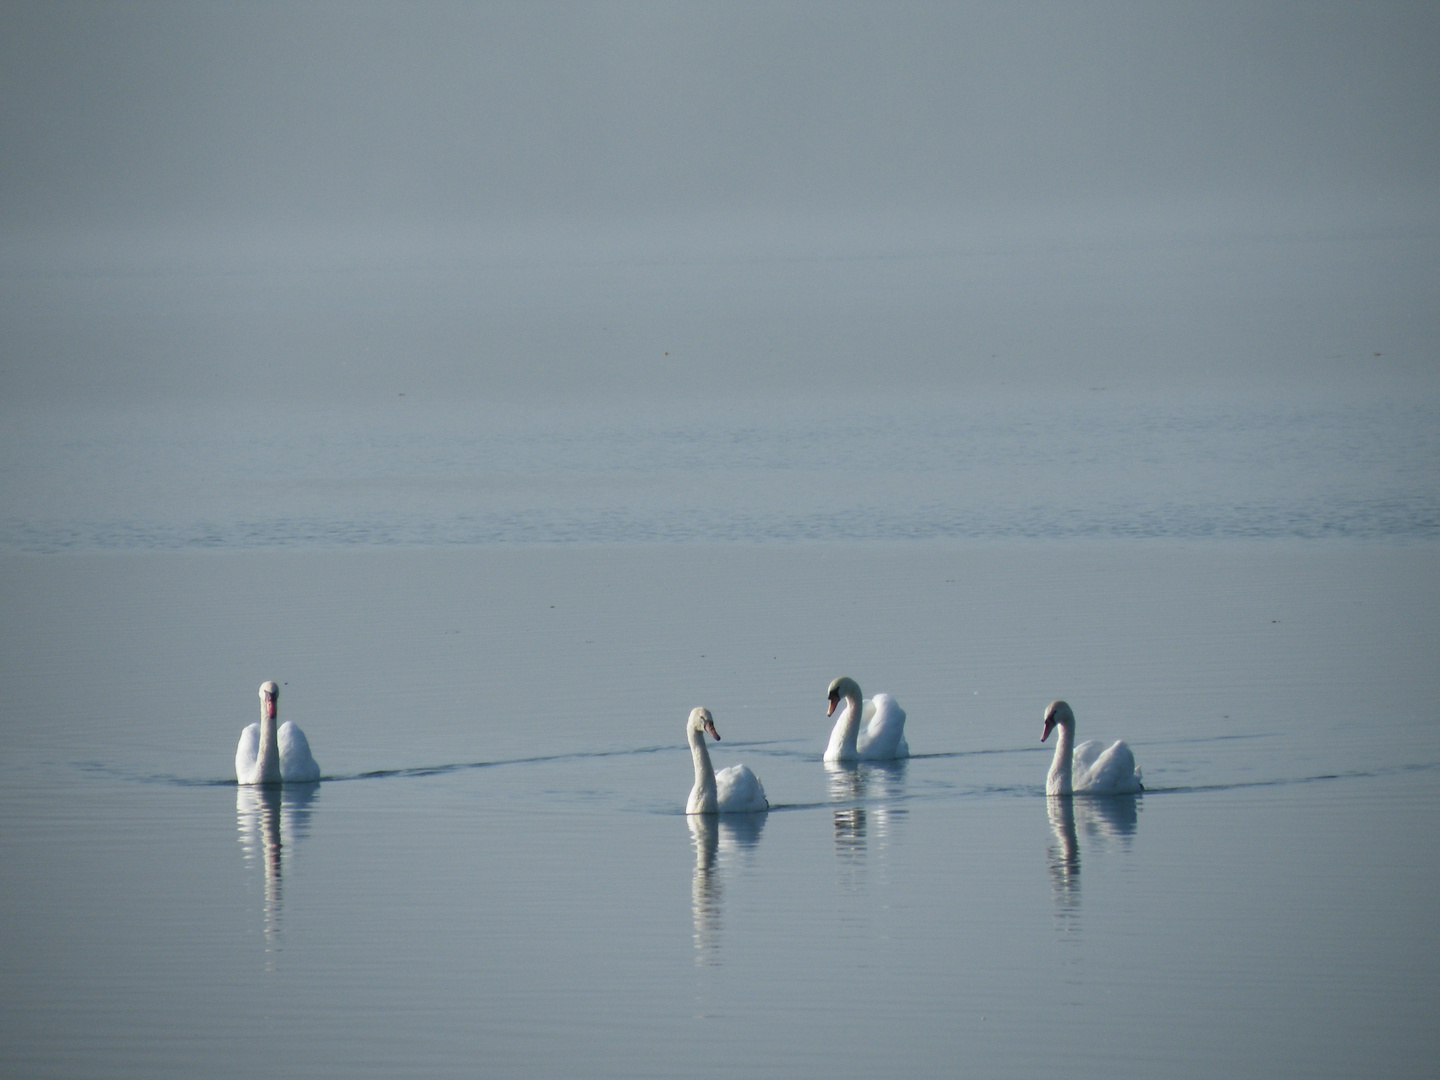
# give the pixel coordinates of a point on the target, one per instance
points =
(154, 113)
(336, 202)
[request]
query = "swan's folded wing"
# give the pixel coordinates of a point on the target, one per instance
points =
(883, 735)
(1113, 771)
(738, 790)
(1086, 755)
(247, 751)
(296, 762)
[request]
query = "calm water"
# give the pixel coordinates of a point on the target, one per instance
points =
(496, 876)
(1359, 463)
(500, 475)
(493, 620)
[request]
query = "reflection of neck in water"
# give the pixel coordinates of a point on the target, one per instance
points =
(1100, 819)
(705, 887)
(257, 809)
(847, 785)
(1064, 861)
(265, 814)
(869, 790)
(716, 839)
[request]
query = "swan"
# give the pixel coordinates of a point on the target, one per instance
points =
(875, 732)
(735, 790)
(268, 756)
(1087, 769)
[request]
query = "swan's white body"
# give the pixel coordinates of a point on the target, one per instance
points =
(735, 790)
(872, 730)
(274, 755)
(1090, 768)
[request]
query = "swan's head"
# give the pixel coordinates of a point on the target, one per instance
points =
(1058, 714)
(843, 687)
(701, 720)
(269, 698)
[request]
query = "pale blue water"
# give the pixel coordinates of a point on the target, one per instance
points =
(1350, 464)
(492, 620)
(496, 875)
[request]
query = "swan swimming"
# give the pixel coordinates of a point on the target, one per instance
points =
(735, 790)
(1087, 769)
(268, 756)
(872, 732)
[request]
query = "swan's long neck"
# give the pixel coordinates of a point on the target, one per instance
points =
(268, 755)
(1058, 782)
(702, 795)
(846, 734)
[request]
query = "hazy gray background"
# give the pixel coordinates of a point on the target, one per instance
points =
(987, 354)
(359, 200)
(278, 114)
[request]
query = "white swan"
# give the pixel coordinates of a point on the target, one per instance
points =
(1086, 769)
(268, 756)
(872, 732)
(735, 790)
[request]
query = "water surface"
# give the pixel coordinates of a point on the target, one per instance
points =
(496, 873)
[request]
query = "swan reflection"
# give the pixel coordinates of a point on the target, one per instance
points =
(716, 838)
(1102, 820)
(1064, 860)
(867, 798)
(264, 815)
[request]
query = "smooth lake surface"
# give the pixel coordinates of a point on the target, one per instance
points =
(1194, 490)
(506, 380)
(495, 876)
